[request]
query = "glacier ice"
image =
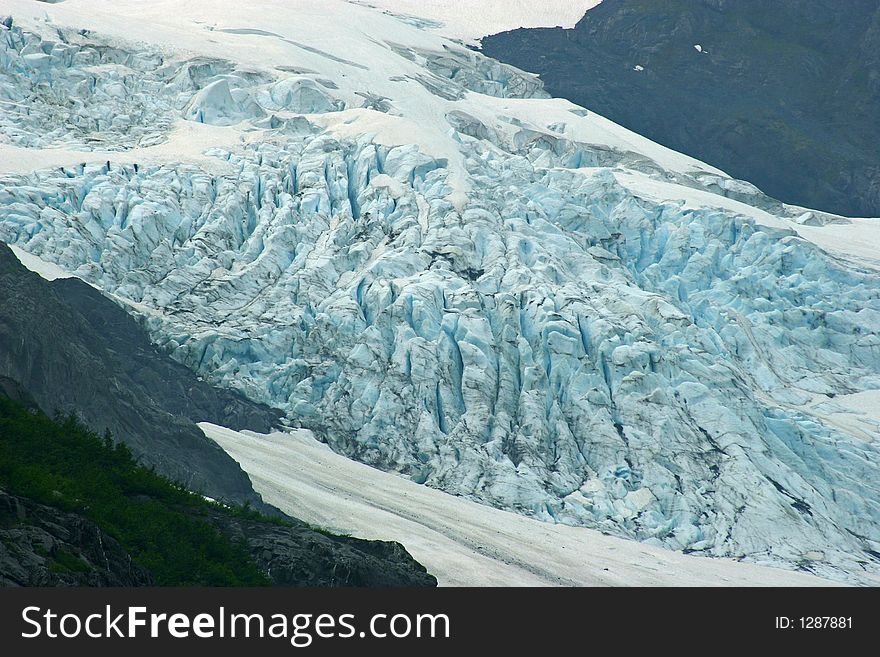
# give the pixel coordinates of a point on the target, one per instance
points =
(562, 346)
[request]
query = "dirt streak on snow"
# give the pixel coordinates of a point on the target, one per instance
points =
(461, 542)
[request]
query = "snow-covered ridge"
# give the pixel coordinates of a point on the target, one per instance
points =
(469, 20)
(442, 273)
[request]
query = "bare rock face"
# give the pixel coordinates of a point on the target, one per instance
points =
(299, 556)
(44, 546)
(74, 351)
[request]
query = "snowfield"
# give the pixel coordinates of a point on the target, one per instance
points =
(414, 253)
(460, 542)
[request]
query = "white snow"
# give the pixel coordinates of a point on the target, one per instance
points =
(856, 239)
(263, 38)
(469, 20)
(866, 403)
(689, 198)
(858, 413)
(187, 142)
(48, 270)
(461, 542)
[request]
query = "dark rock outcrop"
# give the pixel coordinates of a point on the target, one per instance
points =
(44, 546)
(41, 545)
(300, 556)
(784, 94)
(172, 386)
(72, 350)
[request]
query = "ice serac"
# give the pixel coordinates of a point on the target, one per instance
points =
(503, 296)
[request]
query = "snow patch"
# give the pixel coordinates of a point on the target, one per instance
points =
(48, 270)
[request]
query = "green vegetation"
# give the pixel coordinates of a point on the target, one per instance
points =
(65, 562)
(164, 527)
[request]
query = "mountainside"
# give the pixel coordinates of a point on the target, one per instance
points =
(413, 252)
(783, 94)
(43, 546)
(74, 351)
(76, 510)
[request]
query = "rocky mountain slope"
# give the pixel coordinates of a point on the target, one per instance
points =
(76, 510)
(75, 351)
(783, 94)
(44, 546)
(303, 557)
(41, 545)
(412, 251)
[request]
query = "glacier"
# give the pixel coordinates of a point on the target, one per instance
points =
(443, 273)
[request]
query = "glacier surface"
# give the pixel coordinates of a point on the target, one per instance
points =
(522, 304)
